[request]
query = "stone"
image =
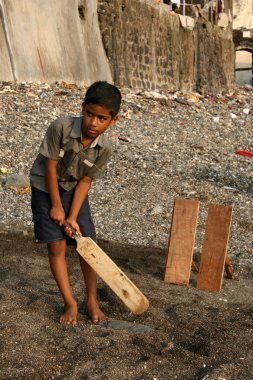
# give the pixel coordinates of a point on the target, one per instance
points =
(17, 181)
(155, 210)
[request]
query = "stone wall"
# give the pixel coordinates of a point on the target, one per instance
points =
(147, 47)
(132, 42)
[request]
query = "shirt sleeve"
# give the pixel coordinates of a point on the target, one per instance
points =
(51, 144)
(98, 169)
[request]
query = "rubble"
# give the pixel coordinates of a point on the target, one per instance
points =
(165, 145)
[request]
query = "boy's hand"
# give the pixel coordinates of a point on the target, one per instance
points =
(74, 225)
(58, 215)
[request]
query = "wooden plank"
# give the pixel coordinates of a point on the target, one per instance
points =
(214, 248)
(112, 275)
(181, 242)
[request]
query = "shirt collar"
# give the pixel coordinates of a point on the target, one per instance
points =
(76, 132)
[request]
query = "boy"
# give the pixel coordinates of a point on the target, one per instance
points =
(73, 153)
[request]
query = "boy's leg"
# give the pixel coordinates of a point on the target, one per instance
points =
(90, 279)
(57, 259)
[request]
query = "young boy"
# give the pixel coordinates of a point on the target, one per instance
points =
(73, 153)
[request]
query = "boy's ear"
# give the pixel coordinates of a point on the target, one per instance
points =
(83, 106)
(114, 120)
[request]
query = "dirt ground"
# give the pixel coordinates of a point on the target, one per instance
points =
(185, 334)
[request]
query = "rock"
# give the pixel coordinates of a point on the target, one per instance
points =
(155, 210)
(16, 181)
(3, 170)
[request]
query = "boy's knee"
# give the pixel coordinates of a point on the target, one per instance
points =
(56, 248)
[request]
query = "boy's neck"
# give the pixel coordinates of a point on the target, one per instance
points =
(86, 141)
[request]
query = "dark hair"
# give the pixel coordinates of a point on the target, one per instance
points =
(105, 94)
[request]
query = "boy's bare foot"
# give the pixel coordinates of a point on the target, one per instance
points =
(69, 317)
(96, 315)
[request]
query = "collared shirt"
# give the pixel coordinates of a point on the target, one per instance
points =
(63, 142)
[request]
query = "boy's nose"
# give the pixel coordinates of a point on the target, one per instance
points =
(94, 121)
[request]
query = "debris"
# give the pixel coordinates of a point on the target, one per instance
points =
(25, 190)
(3, 170)
(167, 348)
(155, 210)
(182, 101)
(244, 153)
(193, 98)
(123, 139)
(43, 95)
(154, 95)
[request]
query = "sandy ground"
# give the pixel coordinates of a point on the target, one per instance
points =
(185, 334)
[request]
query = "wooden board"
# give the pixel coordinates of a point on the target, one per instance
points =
(181, 242)
(112, 275)
(214, 248)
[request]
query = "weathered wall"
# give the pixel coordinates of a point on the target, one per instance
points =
(48, 40)
(147, 47)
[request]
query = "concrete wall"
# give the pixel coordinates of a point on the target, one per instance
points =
(51, 40)
(134, 43)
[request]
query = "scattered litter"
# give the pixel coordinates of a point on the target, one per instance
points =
(43, 95)
(25, 190)
(155, 210)
(229, 188)
(168, 347)
(3, 170)
(123, 139)
(244, 153)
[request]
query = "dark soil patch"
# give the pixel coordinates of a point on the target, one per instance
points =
(193, 334)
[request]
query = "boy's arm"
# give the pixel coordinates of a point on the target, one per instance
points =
(56, 213)
(81, 192)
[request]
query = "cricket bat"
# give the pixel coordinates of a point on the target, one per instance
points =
(111, 274)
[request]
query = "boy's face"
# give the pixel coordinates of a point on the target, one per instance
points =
(96, 120)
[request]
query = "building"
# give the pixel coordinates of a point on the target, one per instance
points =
(243, 38)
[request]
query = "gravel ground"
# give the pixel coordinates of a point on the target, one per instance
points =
(165, 146)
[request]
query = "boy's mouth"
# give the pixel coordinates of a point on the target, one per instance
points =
(92, 131)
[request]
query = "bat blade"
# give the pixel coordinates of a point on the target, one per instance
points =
(112, 275)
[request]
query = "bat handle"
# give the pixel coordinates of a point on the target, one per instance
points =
(66, 224)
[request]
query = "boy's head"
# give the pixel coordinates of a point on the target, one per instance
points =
(105, 95)
(100, 107)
